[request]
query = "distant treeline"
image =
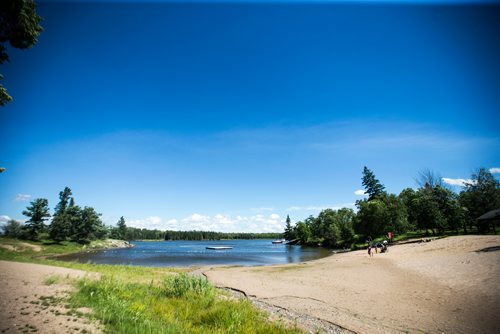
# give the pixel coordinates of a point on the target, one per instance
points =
(206, 235)
(132, 233)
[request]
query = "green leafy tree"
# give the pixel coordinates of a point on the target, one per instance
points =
(38, 212)
(13, 229)
(331, 235)
(372, 185)
(325, 228)
(481, 195)
(428, 213)
(20, 27)
(372, 217)
(303, 232)
(345, 223)
(408, 197)
(396, 216)
(450, 208)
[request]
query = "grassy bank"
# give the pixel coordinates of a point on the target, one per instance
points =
(129, 299)
(177, 304)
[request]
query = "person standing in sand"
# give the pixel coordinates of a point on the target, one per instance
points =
(370, 250)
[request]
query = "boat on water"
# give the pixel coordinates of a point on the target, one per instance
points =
(278, 241)
(219, 247)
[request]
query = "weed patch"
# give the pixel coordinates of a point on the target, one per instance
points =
(179, 304)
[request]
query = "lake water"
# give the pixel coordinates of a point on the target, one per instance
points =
(194, 253)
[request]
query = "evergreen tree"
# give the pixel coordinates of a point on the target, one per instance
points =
(38, 212)
(13, 229)
(60, 228)
(289, 232)
(121, 229)
(373, 187)
(74, 217)
(90, 226)
(20, 27)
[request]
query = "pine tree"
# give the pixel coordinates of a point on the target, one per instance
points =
(122, 228)
(289, 232)
(90, 226)
(373, 187)
(60, 228)
(38, 211)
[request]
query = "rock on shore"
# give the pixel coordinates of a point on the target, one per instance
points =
(109, 243)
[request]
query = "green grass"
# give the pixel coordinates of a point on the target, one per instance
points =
(178, 304)
(52, 279)
(131, 299)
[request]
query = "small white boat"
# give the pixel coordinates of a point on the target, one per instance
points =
(219, 247)
(278, 241)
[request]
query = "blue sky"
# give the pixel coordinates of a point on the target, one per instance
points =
(230, 115)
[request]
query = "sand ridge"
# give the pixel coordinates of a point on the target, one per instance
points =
(444, 286)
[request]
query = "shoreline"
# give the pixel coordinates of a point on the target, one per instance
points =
(445, 285)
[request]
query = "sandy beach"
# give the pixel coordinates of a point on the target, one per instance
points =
(32, 300)
(447, 285)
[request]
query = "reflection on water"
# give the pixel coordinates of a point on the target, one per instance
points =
(192, 253)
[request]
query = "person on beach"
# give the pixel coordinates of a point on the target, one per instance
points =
(370, 250)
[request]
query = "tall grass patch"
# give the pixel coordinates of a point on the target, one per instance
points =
(178, 304)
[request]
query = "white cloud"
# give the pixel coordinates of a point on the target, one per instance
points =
(274, 216)
(360, 192)
(263, 209)
(306, 208)
(4, 219)
(495, 170)
(219, 223)
(151, 223)
(320, 207)
(457, 182)
(22, 198)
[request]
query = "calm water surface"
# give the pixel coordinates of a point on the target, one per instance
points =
(193, 253)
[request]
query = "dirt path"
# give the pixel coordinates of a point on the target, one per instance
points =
(32, 300)
(443, 286)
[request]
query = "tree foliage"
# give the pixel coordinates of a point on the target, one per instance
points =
(372, 185)
(480, 195)
(122, 228)
(208, 235)
(13, 229)
(20, 27)
(90, 227)
(332, 228)
(71, 222)
(289, 231)
(38, 212)
(61, 226)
